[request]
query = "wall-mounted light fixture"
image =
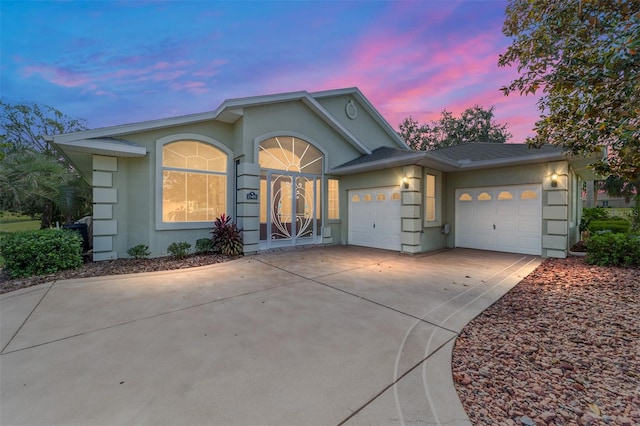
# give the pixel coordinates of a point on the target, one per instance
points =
(405, 182)
(554, 180)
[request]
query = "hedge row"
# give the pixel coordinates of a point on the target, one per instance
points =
(41, 252)
(613, 249)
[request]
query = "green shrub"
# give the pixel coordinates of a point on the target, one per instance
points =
(180, 249)
(204, 245)
(41, 252)
(615, 225)
(227, 237)
(592, 213)
(139, 251)
(613, 249)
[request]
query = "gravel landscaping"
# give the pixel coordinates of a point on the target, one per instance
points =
(561, 348)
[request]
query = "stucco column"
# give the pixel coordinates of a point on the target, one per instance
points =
(555, 211)
(248, 205)
(411, 222)
(104, 198)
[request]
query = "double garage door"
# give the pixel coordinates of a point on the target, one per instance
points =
(505, 218)
(374, 217)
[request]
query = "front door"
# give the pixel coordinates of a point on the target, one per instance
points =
(293, 206)
(290, 192)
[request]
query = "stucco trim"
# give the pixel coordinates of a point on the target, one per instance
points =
(160, 225)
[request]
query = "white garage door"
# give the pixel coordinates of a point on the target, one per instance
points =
(501, 218)
(374, 217)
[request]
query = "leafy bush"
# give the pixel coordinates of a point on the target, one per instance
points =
(615, 225)
(613, 249)
(139, 251)
(592, 213)
(227, 237)
(204, 245)
(41, 252)
(180, 249)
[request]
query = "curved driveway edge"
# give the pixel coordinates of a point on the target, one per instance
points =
(334, 335)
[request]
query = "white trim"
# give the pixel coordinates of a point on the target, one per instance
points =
(230, 196)
(108, 147)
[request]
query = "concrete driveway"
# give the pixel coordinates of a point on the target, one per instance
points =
(325, 336)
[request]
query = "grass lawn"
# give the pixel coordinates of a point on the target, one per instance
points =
(13, 222)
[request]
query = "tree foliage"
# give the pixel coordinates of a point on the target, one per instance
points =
(24, 125)
(584, 57)
(33, 178)
(475, 124)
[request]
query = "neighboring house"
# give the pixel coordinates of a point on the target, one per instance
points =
(319, 168)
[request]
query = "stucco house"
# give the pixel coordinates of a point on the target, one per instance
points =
(319, 168)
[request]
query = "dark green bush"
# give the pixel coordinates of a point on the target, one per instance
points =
(41, 252)
(180, 249)
(139, 251)
(227, 237)
(204, 245)
(592, 213)
(613, 249)
(615, 225)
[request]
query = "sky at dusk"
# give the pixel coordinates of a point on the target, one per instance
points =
(116, 62)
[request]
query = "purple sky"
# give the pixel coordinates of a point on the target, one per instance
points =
(117, 62)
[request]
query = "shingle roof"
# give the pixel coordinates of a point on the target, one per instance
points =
(379, 154)
(485, 151)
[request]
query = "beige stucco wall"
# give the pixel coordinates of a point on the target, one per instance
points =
(136, 179)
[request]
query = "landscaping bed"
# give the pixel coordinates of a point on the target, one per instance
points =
(114, 267)
(561, 348)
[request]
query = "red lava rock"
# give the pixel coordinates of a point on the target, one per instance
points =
(565, 337)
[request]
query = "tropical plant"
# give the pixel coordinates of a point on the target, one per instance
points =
(475, 124)
(34, 183)
(227, 237)
(34, 179)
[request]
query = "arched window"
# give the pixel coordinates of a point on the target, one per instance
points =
(290, 154)
(194, 182)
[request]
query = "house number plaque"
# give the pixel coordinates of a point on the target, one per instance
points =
(252, 195)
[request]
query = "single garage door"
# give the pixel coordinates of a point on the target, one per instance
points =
(374, 217)
(500, 218)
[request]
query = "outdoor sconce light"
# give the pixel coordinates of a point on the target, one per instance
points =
(405, 182)
(554, 180)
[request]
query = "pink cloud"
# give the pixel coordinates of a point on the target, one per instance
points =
(195, 87)
(60, 76)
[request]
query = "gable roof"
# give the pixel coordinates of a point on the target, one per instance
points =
(230, 111)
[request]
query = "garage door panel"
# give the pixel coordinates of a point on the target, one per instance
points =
(506, 218)
(379, 207)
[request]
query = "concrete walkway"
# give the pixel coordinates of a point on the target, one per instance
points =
(322, 336)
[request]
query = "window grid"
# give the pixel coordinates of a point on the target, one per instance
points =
(333, 198)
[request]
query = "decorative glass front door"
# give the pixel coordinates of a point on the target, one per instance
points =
(290, 212)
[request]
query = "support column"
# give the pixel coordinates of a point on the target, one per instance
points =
(248, 205)
(555, 211)
(411, 222)
(104, 198)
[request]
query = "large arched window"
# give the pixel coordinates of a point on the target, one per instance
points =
(194, 182)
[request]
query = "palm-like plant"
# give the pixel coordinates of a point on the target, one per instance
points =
(227, 237)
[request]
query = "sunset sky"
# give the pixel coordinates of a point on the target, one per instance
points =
(115, 62)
